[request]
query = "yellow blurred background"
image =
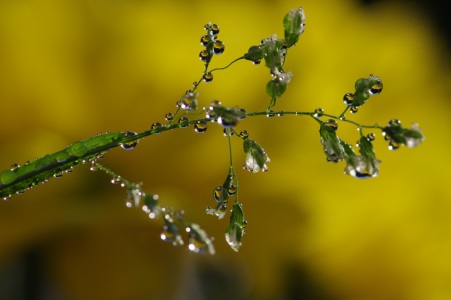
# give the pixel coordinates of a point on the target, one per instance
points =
(72, 69)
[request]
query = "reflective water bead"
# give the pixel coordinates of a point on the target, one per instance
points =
(201, 126)
(205, 40)
(183, 122)
(394, 122)
(203, 55)
(371, 136)
(354, 109)
(116, 180)
(7, 177)
(129, 145)
(319, 112)
(231, 190)
(218, 47)
(177, 104)
(78, 149)
(227, 132)
(58, 175)
(348, 98)
(244, 134)
(219, 194)
(93, 167)
(214, 29)
(14, 167)
(332, 124)
(376, 88)
(270, 113)
(256, 61)
(393, 145)
(208, 77)
(170, 234)
(156, 126)
(215, 104)
(169, 116)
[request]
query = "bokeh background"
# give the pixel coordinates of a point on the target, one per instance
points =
(72, 69)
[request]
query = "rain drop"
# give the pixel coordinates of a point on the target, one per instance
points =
(354, 109)
(78, 149)
(129, 145)
(218, 47)
(169, 117)
(319, 112)
(348, 98)
(208, 77)
(183, 122)
(203, 55)
(256, 61)
(332, 124)
(244, 134)
(156, 126)
(200, 126)
(94, 166)
(205, 40)
(231, 190)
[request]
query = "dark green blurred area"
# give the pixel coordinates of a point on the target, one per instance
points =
(71, 69)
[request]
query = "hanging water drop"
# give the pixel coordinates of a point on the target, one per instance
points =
(354, 109)
(208, 77)
(319, 112)
(116, 180)
(214, 29)
(371, 136)
(348, 98)
(58, 175)
(14, 167)
(219, 194)
(244, 134)
(205, 40)
(376, 88)
(332, 124)
(183, 122)
(129, 145)
(201, 126)
(94, 166)
(203, 55)
(169, 117)
(218, 47)
(156, 126)
(227, 132)
(170, 232)
(198, 241)
(393, 145)
(7, 177)
(231, 190)
(256, 61)
(178, 104)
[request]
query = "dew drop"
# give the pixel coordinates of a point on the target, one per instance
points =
(215, 104)
(244, 134)
(94, 166)
(348, 98)
(14, 166)
(319, 112)
(200, 126)
(376, 88)
(156, 126)
(218, 47)
(231, 190)
(183, 122)
(69, 170)
(280, 114)
(7, 177)
(58, 175)
(129, 145)
(78, 149)
(203, 55)
(219, 194)
(214, 29)
(394, 122)
(116, 180)
(332, 124)
(208, 77)
(169, 117)
(354, 109)
(270, 114)
(392, 145)
(205, 40)
(256, 61)
(371, 136)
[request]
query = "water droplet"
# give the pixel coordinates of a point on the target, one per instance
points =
(201, 126)
(319, 112)
(69, 170)
(226, 132)
(183, 122)
(393, 145)
(376, 88)
(7, 177)
(169, 117)
(94, 166)
(14, 166)
(134, 196)
(129, 145)
(270, 113)
(348, 98)
(244, 134)
(371, 136)
(208, 77)
(214, 29)
(219, 194)
(205, 40)
(116, 180)
(58, 175)
(394, 122)
(198, 241)
(156, 126)
(256, 61)
(332, 124)
(6, 198)
(62, 156)
(354, 109)
(218, 47)
(203, 55)
(231, 190)
(178, 104)
(150, 206)
(170, 233)
(215, 104)
(77, 149)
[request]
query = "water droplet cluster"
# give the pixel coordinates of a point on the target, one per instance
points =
(212, 45)
(227, 117)
(364, 89)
